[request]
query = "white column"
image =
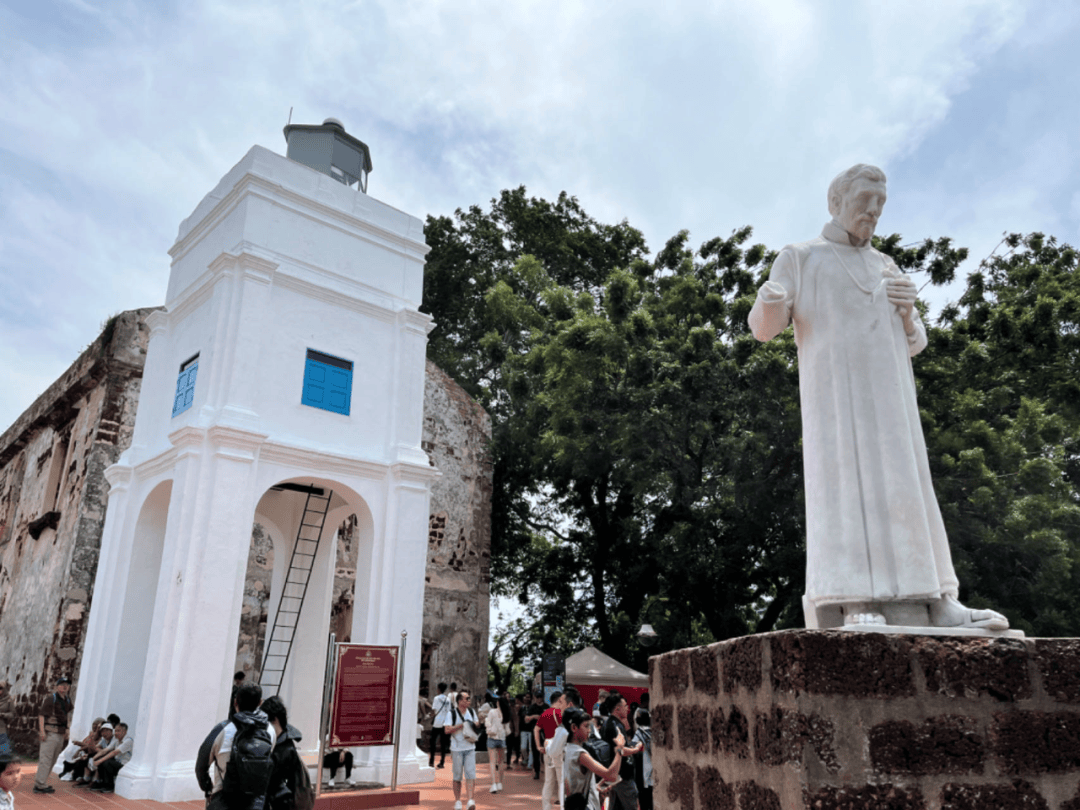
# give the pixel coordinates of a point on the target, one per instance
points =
(200, 592)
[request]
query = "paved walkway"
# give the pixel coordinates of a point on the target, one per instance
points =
(520, 791)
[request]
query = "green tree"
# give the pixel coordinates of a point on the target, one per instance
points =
(647, 448)
(999, 390)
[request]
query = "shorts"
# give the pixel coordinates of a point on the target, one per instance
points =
(464, 761)
(496, 743)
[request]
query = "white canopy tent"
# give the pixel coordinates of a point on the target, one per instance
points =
(590, 667)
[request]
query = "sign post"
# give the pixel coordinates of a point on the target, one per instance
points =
(362, 699)
(324, 712)
(397, 710)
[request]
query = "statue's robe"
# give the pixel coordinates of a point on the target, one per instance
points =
(873, 527)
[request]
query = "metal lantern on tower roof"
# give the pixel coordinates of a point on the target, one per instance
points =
(329, 149)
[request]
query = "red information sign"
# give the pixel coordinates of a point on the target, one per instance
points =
(365, 693)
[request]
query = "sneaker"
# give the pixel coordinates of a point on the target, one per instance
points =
(457, 805)
(68, 777)
(351, 781)
(494, 787)
(500, 786)
(330, 783)
(46, 789)
(470, 805)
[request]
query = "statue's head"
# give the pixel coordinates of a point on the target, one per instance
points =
(856, 199)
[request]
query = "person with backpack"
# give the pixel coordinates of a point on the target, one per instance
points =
(586, 757)
(242, 755)
(290, 782)
(463, 736)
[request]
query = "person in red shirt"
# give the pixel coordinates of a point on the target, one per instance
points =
(550, 720)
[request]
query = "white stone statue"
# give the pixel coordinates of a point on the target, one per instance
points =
(876, 548)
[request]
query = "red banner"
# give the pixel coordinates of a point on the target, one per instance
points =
(365, 693)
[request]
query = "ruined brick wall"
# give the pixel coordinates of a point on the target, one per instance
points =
(456, 436)
(251, 642)
(53, 495)
(52, 510)
(830, 720)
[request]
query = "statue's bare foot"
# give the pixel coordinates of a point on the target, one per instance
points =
(860, 613)
(948, 612)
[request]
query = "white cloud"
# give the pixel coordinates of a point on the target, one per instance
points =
(119, 117)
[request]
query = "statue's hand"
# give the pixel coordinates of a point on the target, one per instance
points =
(772, 292)
(902, 293)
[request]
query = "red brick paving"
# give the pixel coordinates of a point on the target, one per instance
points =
(520, 791)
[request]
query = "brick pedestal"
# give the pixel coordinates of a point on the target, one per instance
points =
(833, 720)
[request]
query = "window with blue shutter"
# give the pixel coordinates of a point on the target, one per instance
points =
(327, 382)
(185, 386)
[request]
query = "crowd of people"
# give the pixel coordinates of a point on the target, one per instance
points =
(93, 762)
(590, 760)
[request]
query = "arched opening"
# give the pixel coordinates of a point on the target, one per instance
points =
(329, 588)
(140, 597)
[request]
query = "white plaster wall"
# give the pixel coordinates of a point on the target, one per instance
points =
(273, 262)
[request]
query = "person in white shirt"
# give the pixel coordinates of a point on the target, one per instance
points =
(108, 764)
(440, 708)
(496, 725)
(10, 776)
(463, 747)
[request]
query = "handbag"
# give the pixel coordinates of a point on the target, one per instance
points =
(469, 732)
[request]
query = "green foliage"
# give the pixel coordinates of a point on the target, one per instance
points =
(647, 448)
(999, 388)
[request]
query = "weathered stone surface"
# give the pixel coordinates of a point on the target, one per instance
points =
(1019, 795)
(780, 735)
(1058, 661)
(971, 667)
(940, 745)
(715, 793)
(753, 796)
(705, 669)
(740, 662)
(662, 726)
(680, 789)
(456, 435)
(840, 663)
(693, 729)
(777, 737)
(52, 461)
(1073, 803)
(866, 797)
(1030, 743)
(832, 719)
(256, 607)
(675, 672)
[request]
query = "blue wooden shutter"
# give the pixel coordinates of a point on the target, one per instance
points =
(327, 382)
(185, 389)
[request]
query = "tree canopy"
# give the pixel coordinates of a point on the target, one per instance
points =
(647, 448)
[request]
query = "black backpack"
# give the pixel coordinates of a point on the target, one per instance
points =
(247, 774)
(600, 750)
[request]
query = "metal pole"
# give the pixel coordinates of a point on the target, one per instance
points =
(397, 709)
(324, 714)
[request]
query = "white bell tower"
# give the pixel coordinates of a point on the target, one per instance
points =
(284, 378)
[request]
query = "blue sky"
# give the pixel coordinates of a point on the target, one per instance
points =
(117, 117)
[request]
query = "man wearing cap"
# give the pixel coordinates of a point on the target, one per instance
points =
(54, 718)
